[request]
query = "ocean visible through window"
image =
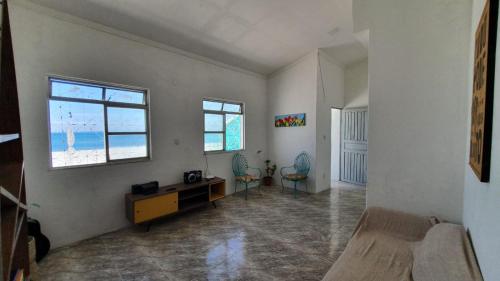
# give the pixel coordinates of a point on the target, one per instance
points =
(94, 123)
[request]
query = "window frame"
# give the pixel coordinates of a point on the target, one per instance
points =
(223, 132)
(105, 104)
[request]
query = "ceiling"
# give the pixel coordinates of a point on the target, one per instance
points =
(258, 35)
(347, 53)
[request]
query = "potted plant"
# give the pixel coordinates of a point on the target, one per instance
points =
(270, 169)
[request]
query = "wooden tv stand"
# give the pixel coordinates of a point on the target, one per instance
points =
(173, 199)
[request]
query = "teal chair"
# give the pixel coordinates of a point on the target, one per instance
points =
(242, 176)
(296, 173)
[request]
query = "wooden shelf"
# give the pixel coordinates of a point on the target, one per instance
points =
(10, 200)
(9, 218)
(14, 255)
(217, 191)
(146, 208)
(20, 221)
(9, 137)
(179, 187)
(11, 175)
(193, 195)
(216, 197)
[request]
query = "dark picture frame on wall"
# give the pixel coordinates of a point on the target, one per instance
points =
(483, 91)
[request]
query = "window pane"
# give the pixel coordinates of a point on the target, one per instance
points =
(230, 107)
(234, 131)
(115, 95)
(76, 133)
(212, 105)
(75, 90)
(126, 120)
(213, 141)
(214, 122)
(127, 146)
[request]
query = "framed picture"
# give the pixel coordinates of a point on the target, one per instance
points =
(290, 120)
(482, 92)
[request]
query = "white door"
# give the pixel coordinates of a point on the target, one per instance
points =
(354, 146)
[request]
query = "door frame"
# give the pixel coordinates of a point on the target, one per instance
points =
(340, 142)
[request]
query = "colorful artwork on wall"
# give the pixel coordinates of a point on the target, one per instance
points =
(482, 92)
(290, 120)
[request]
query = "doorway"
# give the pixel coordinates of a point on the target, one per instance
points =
(349, 146)
(335, 137)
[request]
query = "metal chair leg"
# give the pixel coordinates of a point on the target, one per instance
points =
(246, 190)
(235, 185)
(295, 189)
(282, 185)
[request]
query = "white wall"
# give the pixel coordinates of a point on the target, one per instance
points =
(356, 84)
(330, 94)
(80, 203)
(482, 200)
(293, 90)
(418, 105)
(314, 88)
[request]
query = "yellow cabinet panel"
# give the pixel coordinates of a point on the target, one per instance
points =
(151, 208)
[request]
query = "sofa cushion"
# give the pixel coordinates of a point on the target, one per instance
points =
(247, 178)
(381, 248)
(445, 254)
(398, 224)
(373, 256)
(295, 177)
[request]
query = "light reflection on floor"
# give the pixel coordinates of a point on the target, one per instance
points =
(272, 236)
(226, 256)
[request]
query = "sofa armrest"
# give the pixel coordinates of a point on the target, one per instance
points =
(395, 223)
(445, 254)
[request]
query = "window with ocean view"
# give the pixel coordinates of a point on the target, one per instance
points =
(93, 123)
(224, 125)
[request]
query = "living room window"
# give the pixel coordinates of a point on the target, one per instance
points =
(224, 125)
(92, 123)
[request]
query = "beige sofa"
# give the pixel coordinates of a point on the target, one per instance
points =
(394, 246)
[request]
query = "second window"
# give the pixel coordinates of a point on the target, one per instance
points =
(224, 125)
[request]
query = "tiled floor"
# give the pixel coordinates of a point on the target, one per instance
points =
(272, 236)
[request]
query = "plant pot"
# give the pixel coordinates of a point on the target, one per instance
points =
(268, 181)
